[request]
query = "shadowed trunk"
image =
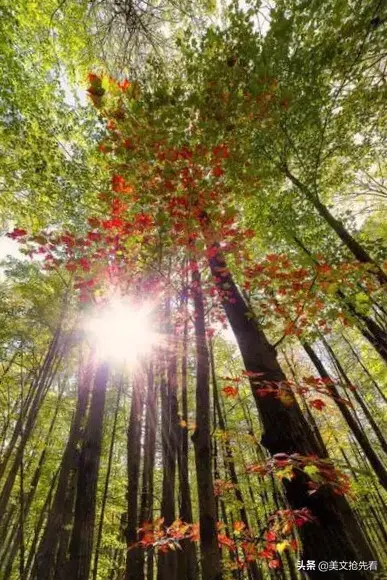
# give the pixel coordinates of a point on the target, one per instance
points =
(107, 480)
(44, 564)
(146, 509)
(337, 535)
(211, 565)
(134, 561)
(187, 558)
(81, 543)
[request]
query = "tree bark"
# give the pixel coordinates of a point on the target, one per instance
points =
(134, 561)
(337, 535)
(211, 565)
(44, 564)
(147, 492)
(107, 480)
(167, 561)
(81, 543)
(187, 558)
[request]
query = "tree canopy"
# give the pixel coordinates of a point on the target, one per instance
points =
(193, 337)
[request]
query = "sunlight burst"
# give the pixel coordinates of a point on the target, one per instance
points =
(122, 331)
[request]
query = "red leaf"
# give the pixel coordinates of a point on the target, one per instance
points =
(125, 84)
(113, 223)
(230, 391)
(71, 267)
(94, 236)
(85, 264)
(93, 78)
(16, 233)
(119, 184)
(217, 171)
(318, 404)
(227, 542)
(239, 526)
(324, 268)
(221, 152)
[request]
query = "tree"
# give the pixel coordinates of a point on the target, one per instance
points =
(206, 207)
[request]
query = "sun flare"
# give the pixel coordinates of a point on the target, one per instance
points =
(122, 331)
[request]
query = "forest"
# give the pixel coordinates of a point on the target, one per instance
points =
(193, 274)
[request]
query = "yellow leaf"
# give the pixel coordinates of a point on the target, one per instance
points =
(281, 546)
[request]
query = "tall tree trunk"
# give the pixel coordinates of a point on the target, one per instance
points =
(107, 481)
(146, 507)
(253, 569)
(39, 524)
(187, 559)
(44, 564)
(337, 536)
(134, 561)
(371, 331)
(27, 421)
(358, 433)
(358, 398)
(167, 562)
(306, 409)
(211, 565)
(366, 371)
(348, 240)
(81, 544)
(15, 536)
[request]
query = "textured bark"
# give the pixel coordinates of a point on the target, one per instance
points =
(167, 562)
(187, 558)
(44, 565)
(134, 562)
(39, 525)
(337, 536)
(106, 486)
(210, 560)
(81, 544)
(147, 492)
